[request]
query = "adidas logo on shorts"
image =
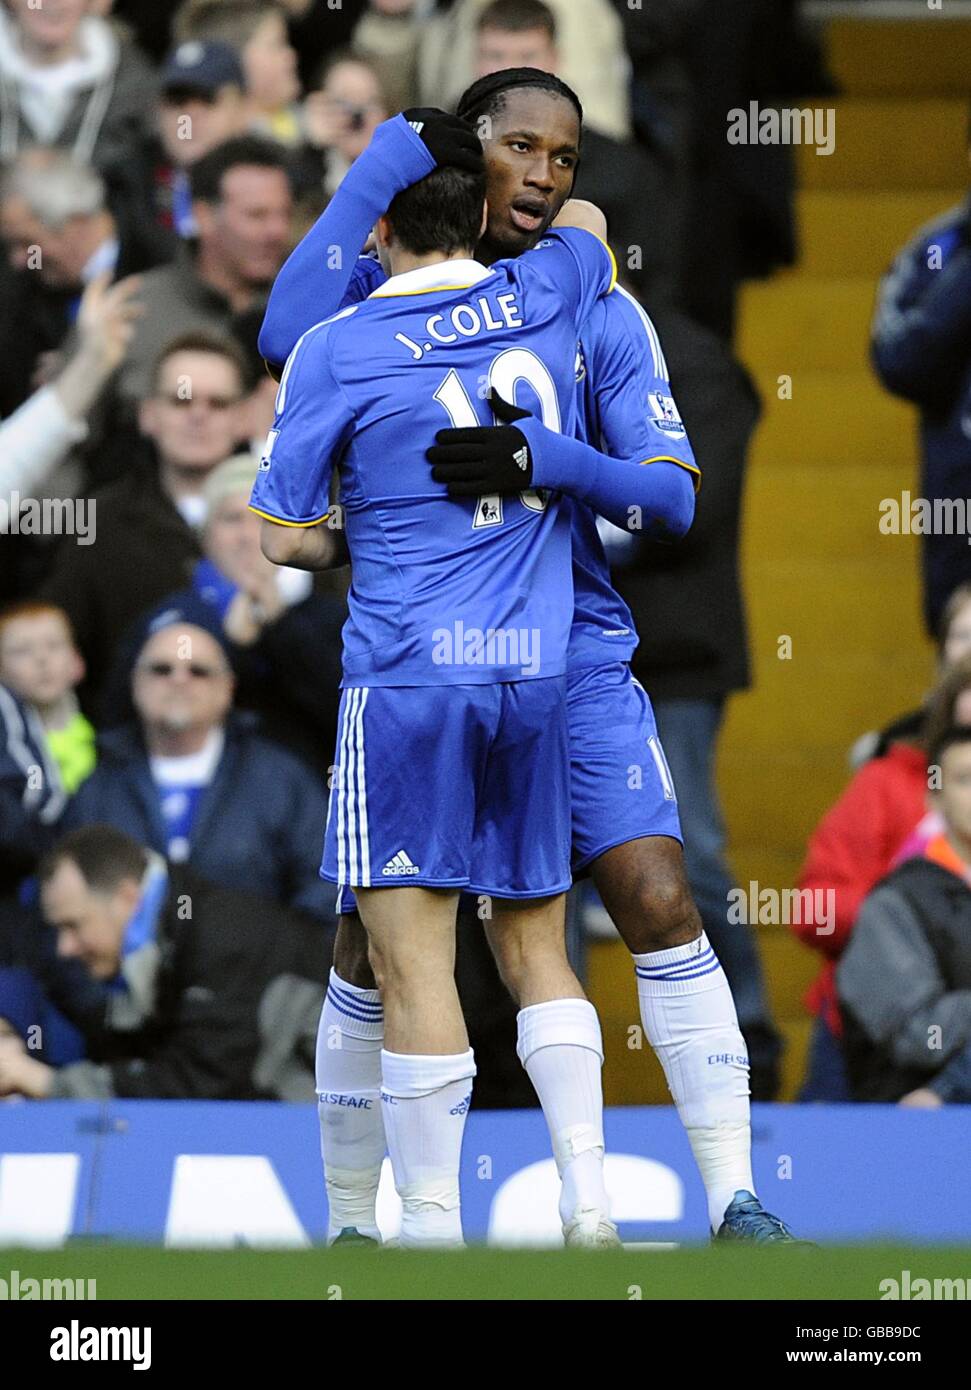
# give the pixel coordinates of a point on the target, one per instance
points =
(400, 866)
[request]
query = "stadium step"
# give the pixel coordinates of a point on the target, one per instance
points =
(861, 232)
(923, 57)
(880, 141)
(778, 798)
(778, 870)
(818, 716)
(797, 321)
(832, 419)
(786, 503)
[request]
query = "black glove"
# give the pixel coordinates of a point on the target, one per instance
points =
(450, 141)
(485, 459)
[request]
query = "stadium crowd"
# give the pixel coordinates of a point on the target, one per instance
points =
(162, 800)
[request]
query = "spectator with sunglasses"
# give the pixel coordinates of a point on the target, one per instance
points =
(148, 523)
(195, 781)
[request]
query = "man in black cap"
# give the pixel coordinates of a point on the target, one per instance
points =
(201, 105)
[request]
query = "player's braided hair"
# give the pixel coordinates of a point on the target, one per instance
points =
(487, 96)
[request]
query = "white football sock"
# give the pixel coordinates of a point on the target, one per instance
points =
(352, 1140)
(560, 1046)
(689, 1017)
(425, 1102)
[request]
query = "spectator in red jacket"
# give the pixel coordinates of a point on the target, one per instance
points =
(855, 845)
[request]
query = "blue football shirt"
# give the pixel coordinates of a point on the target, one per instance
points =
(443, 591)
(625, 408)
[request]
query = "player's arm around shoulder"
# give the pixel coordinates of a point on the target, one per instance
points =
(577, 212)
(574, 259)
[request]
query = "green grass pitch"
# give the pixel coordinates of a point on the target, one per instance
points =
(150, 1272)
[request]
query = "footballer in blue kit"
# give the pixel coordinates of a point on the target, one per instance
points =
(445, 593)
(610, 716)
(624, 401)
(453, 751)
(628, 460)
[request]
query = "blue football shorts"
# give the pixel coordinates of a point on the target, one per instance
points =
(621, 787)
(451, 786)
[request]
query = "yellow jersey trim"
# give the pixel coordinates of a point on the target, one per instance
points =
(614, 274)
(278, 521)
(688, 467)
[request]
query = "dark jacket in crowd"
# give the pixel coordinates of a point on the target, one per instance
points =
(36, 320)
(953, 1082)
(259, 826)
(740, 219)
(144, 550)
(291, 677)
(904, 982)
(686, 597)
(323, 29)
(628, 183)
(31, 799)
(922, 351)
(149, 22)
(222, 1003)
